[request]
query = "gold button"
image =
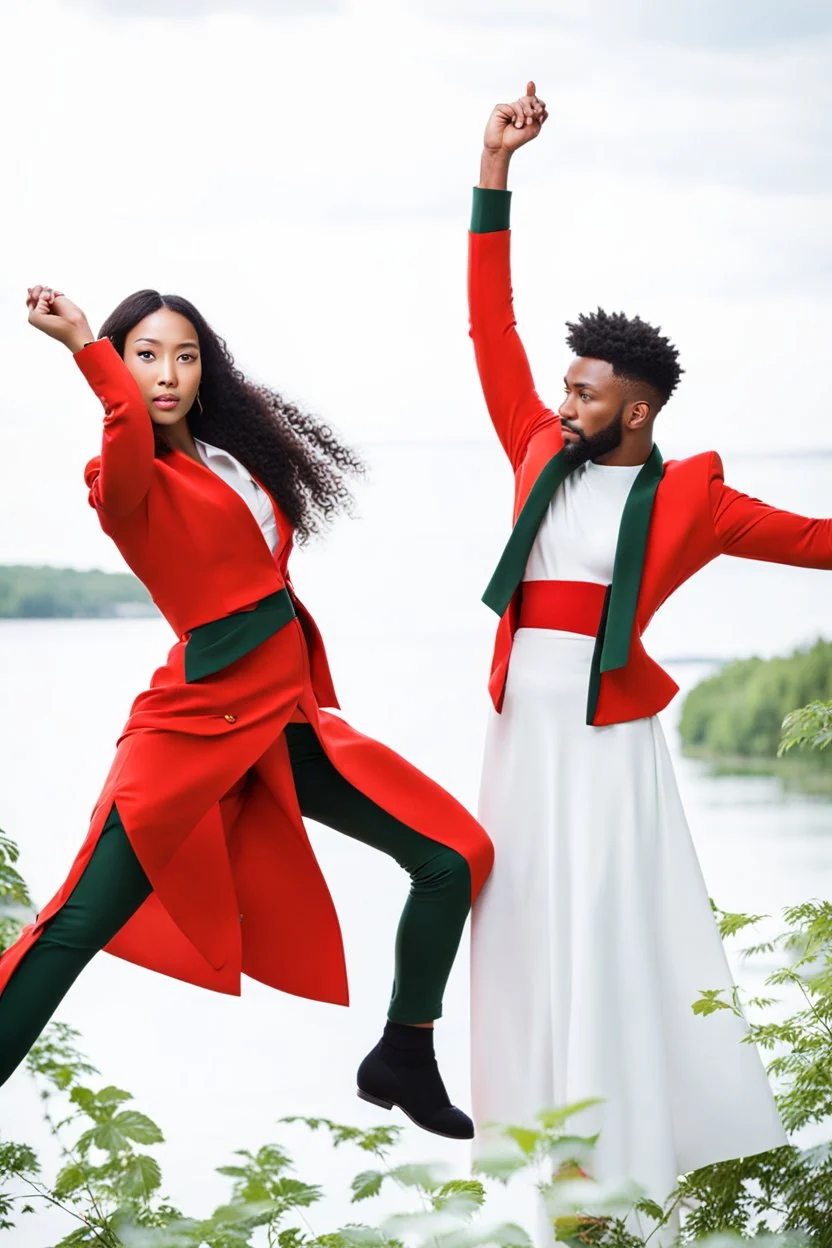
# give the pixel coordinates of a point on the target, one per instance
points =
(231, 719)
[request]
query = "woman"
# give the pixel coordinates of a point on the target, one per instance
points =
(196, 863)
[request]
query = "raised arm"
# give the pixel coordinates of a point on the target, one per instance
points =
(514, 405)
(119, 478)
(750, 529)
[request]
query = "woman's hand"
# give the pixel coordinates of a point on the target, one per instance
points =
(51, 312)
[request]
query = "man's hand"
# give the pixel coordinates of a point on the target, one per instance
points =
(512, 125)
(509, 127)
(51, 312)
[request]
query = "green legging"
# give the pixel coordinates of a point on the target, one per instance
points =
(113, 886)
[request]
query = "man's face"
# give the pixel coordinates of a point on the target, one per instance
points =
(592, 410)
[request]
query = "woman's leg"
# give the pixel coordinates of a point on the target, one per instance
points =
(111, 889)
(401, 1069)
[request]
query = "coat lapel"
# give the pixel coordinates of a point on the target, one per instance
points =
(512, 565)
(612, 645)
(629, 562)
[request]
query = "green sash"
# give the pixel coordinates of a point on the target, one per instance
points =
(214, 646)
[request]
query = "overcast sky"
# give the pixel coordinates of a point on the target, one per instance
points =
(302, 171)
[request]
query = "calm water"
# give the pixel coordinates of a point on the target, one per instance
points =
(396, 594)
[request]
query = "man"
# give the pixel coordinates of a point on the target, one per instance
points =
(595, 935)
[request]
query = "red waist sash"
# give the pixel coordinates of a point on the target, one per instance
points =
(566, 606)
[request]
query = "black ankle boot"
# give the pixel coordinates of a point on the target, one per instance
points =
(401, 1070)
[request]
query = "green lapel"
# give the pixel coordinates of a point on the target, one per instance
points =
(612, 645)
(595, 667)
(629, 562)
(512, 565)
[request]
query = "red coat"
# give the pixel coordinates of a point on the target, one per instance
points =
(678, 517)
(201, 775)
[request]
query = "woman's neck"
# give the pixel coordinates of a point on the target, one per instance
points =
(180, 438)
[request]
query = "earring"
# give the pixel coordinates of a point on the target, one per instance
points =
(199, 403)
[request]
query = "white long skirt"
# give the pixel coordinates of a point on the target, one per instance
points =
(594, 936)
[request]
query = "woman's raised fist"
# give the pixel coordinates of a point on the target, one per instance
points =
(51, 312)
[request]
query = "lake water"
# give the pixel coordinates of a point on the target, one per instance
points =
(396, 594)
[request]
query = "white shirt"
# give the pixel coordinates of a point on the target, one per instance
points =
(577, 538)
(241, 481)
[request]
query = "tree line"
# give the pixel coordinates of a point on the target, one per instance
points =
(739, 711)
(32, 593)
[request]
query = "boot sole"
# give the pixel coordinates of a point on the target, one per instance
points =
(375, 1100)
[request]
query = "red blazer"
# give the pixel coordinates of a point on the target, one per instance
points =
(678, 517)
(213, 568)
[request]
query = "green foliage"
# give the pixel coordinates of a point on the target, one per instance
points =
(56, 1059)
(51, 593)
(17, 1159)
(111, 1191)
(790, 1185)
(811, 726)
(15, 903)
(710, 1002)
(378, 1140)
(740, 710)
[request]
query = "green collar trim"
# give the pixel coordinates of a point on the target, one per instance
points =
(509, 571)
(614, 639)
(594, 690)
(629, 563)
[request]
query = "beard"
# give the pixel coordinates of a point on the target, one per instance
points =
(597, 444)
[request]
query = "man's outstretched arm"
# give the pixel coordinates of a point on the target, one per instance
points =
(751, 529)
(513, 403)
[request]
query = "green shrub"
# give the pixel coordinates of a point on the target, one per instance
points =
(740, 710)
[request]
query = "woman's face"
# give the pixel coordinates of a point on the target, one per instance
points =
(162, 353)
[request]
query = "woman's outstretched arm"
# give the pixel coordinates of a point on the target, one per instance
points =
(119, 479)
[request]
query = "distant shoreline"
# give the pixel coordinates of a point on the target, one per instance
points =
(29, 592)
(733, 719)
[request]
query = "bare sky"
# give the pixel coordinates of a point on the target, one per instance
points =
(719, 24)
(303, 172)
(175, 10)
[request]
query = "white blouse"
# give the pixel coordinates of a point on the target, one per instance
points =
(240, 479)
(577, 538)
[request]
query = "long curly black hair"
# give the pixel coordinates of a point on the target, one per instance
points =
(636, 350)
(301, 463)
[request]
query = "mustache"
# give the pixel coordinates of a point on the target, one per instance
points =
(573, 428)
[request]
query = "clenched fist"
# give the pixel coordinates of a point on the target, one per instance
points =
(512, 125)
(52, 313)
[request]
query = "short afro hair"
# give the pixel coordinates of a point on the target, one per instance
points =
(636, 350)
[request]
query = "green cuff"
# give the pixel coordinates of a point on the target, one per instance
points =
(491, 211)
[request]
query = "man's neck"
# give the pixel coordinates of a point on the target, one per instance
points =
(625, 456)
